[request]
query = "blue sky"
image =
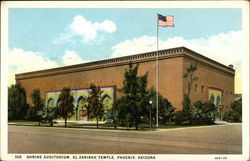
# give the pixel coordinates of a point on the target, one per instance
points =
(60, 36)
(35, 29)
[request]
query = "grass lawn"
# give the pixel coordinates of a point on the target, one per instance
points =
(106, 126)
(21, 122)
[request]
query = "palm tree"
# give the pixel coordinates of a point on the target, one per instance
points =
(48, 114)
(190, 73)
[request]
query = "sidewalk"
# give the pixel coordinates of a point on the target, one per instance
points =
(220, 122)
(80, 122)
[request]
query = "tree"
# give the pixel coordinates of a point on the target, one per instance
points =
(190, 73)
(166, 109)
(38, 104)
(235, 114)
(47, 114)
(65, 105)
(237, 106)
(112, 114)
(186, 103)
(17, 106)
(122, 111)
(134, 97)
(133, 106)
(95, 107)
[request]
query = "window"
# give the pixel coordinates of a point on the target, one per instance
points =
(202, 89)
(218, 101)
(195, 88)
(212, 99)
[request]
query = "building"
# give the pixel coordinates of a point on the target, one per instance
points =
(215, 81)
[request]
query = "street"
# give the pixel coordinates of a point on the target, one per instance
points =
(220, 139)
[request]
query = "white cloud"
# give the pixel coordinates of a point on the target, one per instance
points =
(81, 26)
(226, 48)
(107, 26)
(71, 57)
(88, 30)
(20, 61)
(135, 46)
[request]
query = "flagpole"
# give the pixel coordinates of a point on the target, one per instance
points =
(157, 73)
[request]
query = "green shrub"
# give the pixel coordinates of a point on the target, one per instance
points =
(197, 116)
(48, 114)
(235, 115)
(181, 116)
(232, 116)
(204, 113)
(129, 120)
(31, 114)
(210, 111)
(186, 102)
(226, 116)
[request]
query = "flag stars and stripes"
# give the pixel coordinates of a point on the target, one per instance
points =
(166, 21)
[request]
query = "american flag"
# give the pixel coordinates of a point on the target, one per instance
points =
(166, 21)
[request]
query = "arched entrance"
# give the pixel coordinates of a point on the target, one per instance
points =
(50, 103)
(58, 102)
(81, 109)
(107, 102)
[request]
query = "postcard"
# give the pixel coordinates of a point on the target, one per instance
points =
(127, 80)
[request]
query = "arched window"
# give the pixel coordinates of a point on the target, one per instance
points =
(107, 103)
(218, 101)
(81, 103)
(50, 103)
(212, 99)
(58, 102)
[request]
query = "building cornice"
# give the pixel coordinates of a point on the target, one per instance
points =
(228, 71)
(139, 58)
(211, 61)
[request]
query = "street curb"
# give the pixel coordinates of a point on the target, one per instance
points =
(199, 127)
(121, 130)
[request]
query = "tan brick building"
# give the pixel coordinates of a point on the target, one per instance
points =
(215, 81)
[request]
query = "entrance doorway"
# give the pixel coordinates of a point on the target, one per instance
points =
(82, 115)
(82, 108)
